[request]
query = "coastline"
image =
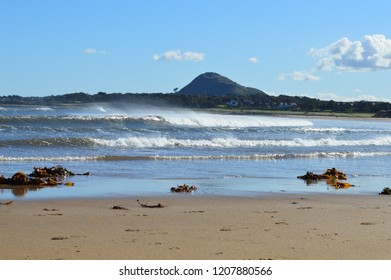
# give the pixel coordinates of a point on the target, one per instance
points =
(273, 112)
(286, 226)
(295, 114)
(227, 111)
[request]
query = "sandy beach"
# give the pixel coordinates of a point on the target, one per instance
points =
(293, 227)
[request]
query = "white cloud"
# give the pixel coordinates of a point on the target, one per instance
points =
(299, 76)
(372, 98)
(169, 55)
(332, 96)
(327, 96)
(194, 56)
(253, 59)
(282, 77)
(372, 52)
(304, 76)
(272, 93)
(89, 51)
(94, 51)
(178, 56)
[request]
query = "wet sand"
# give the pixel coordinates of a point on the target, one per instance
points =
(294, 227)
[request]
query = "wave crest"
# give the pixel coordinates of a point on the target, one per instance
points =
(180, 119)
(164, 142)
(196, 158)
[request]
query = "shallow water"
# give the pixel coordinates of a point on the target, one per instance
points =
(146, 151)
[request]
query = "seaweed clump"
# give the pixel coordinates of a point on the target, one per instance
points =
(41, 176)
(332, 177)
(386, 191)
(184, 189)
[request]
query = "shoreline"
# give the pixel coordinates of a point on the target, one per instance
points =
(297, 114)
(281, 113)
(286, 226)
(101, 187)
(244, 112)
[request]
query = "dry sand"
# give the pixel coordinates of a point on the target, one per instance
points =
(192, 227)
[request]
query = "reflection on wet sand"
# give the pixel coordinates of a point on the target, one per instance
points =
(20, 190)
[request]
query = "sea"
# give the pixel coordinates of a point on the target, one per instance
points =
(145, 151)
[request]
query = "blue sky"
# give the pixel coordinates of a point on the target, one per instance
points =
(325, 49)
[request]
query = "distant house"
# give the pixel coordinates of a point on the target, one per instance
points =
(267, 105)
(248, 102)
(232, 103)
(286, 106)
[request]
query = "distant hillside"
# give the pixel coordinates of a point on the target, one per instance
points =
(213, 84)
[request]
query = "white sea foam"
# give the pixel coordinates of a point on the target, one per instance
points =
(43, 109)
(116, 117)
(200, 120)
(255, 157)
(52, 159)
(336, 130)
(216, 120)
(162, 142)
(26, 108)
(180, 118)
(101, 109)
(322, 130)
(276, 156)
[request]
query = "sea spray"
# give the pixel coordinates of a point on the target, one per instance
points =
(215, 120)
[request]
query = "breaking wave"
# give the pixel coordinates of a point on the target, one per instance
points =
(214, 120)
(51, 159)
(78, 118)
(337, 130)
(191, 120)
(163, 142)
(196, 158)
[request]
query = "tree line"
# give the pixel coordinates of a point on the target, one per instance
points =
(296, 103)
